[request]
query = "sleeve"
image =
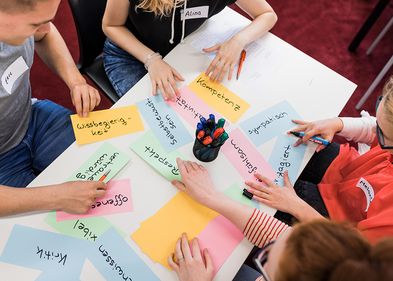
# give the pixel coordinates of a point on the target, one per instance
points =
(360, 129)
(262, 228)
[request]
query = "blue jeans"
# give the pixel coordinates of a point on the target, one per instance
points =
(48, 135)
(122, 69)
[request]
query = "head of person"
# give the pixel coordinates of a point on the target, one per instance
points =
(326, 250)
(159, 7)
(20, 19)
(384, 114)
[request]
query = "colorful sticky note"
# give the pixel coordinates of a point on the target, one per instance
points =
(105, 124)
(116, 260)
(164, 123)
(220, 237)
(87, 228)
(107, 157)
(117, 199)
(150, 150)
(274, 121)
(191, 107)
(59, 257)
(235, 191)
(286, 157)
(245, 157)
(219, 97)
(157, 235)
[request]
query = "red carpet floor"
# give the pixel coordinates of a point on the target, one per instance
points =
(322, 29)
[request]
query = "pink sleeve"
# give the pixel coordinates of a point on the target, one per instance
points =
(262, 228)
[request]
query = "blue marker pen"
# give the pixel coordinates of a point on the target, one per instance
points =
(315, 139)
(199, 126)
(203, 121)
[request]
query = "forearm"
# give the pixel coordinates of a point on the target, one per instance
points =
(52, 49)
(257, 28)
(304, 212)
(21, 200)
(122, 37)
(360, 129)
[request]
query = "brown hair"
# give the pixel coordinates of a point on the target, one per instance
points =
(159, 7)
(387, 92)
(325, 250)
(13, 6)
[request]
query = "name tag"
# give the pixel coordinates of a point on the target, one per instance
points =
(195, 12)
(368, 191)
(12, 73)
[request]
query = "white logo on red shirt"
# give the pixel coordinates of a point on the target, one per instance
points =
(368, 191)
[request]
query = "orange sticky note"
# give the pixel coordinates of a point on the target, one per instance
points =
(105, 124)
(219, 97)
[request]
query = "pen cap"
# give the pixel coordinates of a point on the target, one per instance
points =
(205, 153)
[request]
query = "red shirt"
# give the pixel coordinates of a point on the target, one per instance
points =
(359, 188)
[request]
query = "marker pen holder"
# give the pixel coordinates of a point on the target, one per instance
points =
(205, 153)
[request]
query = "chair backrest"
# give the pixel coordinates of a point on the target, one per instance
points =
(88, 21)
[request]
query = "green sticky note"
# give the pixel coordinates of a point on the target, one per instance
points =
(106, 158)
(235, 191)
(86, 228)
(149, 149)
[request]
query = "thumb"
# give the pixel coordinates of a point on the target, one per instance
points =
(212, 49)
(179, 185)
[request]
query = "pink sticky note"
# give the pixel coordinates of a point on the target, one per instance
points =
(220, 237)
(245, 157)
(117, 199)
(191, 107)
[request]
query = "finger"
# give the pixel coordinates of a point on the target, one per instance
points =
(92, 99)
(178, 252)
(181, 166)
(196, 250)
(179, 185)
(258, 193)
(188, 166)
(300, 128)
(212, 65)
(177, 75)
(298, 142)
(185, 247)
(153, 88)
(168, 90)
(319, 148)
(216, 72)
(172, 264)
(257, 186)
(85, 101)
(212, 48)
(161, 88)
(172, 82)
(231, 69)
(222, 73)
(98, 97)
(194, 166)
(78, 105)
(100, 193)
(300, 122)
(208, 261)
(263, 201)
(287, 181)
(265, 180)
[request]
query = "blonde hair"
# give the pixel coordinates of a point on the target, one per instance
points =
(387, 92)
(330, 251)
(159, 7)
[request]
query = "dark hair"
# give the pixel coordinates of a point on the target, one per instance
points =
(13, 6)
(326, 250)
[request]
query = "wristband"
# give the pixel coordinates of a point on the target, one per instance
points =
(150, 57)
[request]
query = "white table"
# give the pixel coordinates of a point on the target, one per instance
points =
(285, 73)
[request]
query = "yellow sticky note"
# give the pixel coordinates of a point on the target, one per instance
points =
(105, 124)
(157, 235)
(219, 97)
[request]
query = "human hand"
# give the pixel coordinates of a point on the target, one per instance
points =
(84, 98)
(164, 76)
(282, 198)
(189, 264)
(228, 55)
(77, 197)
(326, 128)
(196, 181)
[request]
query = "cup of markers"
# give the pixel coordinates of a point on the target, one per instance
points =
(209, 137)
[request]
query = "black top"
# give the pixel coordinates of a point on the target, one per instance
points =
(155, 32)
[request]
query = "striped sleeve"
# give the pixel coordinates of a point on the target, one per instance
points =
(262, 228)
(260, 278)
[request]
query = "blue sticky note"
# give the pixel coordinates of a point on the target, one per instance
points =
(116, 260)
(165, 124)
(59, 257)
(286, 157)
(270, 123)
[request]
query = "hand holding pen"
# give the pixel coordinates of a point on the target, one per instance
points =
(321, 131)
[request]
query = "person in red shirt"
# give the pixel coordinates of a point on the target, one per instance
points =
(341, 182)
